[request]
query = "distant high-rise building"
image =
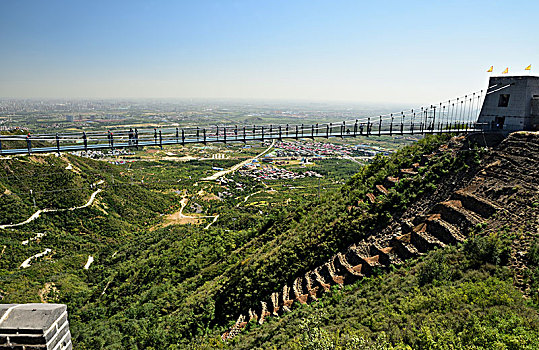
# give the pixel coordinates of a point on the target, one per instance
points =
(69, 118)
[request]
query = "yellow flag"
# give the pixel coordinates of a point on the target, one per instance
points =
(490, 69)
(528, 68)
(506, 71)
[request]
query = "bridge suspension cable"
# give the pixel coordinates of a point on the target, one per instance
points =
(454, 115)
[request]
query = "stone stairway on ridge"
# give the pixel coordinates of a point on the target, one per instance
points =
(447, 223)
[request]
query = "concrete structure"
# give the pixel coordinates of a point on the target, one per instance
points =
(535, 111)
(511, 103)
(34, 326)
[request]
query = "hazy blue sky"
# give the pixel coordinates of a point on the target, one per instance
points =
(376, 51)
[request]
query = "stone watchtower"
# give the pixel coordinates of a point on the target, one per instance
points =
(511, 103)
(34, 326)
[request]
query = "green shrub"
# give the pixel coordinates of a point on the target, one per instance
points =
(487, 249)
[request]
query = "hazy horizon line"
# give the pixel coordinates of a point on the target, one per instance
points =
(219, 99)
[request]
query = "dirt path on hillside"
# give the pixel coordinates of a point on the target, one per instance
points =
(38, 213)
(27, 262)
(179, 218)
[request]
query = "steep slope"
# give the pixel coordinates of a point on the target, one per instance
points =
(455, 297)
(181, 286)
(177, 283)
(500, 198)
(510, 178)
(55, 212)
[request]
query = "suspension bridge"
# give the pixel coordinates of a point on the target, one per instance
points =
(457, 115)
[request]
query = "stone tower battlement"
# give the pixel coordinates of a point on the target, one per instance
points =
(511, 103)
(34, 326)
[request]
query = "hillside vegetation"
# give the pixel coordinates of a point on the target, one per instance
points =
(458, 298)
(183, 286)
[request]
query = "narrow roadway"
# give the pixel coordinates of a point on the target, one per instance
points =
(237, 166)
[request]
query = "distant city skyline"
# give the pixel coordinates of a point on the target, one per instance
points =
(322, 51)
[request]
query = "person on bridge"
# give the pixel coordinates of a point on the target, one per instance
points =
(85, 140)
(111, 139)
(28, 143)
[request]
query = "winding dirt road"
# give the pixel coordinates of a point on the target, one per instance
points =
(48, 210)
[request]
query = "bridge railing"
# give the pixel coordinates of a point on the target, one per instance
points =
(162, 137)
(456, 115)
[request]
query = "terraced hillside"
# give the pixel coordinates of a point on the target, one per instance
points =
(448, 223)
(498, 197)
(510, 178)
